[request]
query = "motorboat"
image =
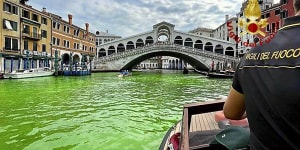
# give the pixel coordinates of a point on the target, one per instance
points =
(200, 124)
(29, 73)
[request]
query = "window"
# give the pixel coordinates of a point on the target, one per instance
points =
(10, 8)
(58, 41)
(76, 32)
(26, 14)
(35, 17)
(35, 33)
(10, 25)
(44, 21)
(7, 7)
(11, 44)
(26, 29)
(26, 45)
(54, 40)
(277, 11)
(74, 45)
(44, 33)
(268, 28)
(66, 29)
(14, 25)
(34, 46)
(7, 43)
(7, 25)
(267, 15)
(66, 44)
(15, 10)
(284, 14)
(15, 45)
(273, 27)
(54, 25)
(43, 47)
(58, 26)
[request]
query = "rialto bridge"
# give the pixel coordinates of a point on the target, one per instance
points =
(199, 51)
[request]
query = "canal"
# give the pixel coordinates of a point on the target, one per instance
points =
(98, 112)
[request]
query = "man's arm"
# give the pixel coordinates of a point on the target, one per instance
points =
(234, 107)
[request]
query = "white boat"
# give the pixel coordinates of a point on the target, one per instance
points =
(31, 73)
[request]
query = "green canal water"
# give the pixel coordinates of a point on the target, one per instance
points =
(98, 112)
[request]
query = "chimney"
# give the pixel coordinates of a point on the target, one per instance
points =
(226, 18)
(70, 19)
(87, 28)
(44, 9)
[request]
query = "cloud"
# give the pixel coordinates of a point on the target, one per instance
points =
(130, 17)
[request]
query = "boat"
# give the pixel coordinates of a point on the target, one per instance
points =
(185, 70)
(199, 126)
(221, 74)
(201, 72)
(76, 71)
(29, 73)
(124, 73)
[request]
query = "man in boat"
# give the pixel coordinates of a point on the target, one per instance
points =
(267, 89)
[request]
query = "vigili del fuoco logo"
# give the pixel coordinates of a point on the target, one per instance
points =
(251, 24)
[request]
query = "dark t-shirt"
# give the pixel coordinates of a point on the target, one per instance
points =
(269, 77)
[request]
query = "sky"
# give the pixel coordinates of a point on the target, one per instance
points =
(130, 17)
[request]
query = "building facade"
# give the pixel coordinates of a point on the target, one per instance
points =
(26, 37)
(29, 38)
(74, 45)
(103, 37)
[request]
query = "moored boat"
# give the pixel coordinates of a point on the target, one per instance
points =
(201, 72)
(221, 74)
(197, 129)
(30, 73)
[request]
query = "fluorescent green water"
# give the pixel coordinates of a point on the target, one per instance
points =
(98, 112)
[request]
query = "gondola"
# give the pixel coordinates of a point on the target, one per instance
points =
(219, 75)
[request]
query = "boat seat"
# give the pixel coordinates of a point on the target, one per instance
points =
(205, 140)
(202, 139)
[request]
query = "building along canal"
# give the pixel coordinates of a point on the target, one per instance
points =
(100, 111)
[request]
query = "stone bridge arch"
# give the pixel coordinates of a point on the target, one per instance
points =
(197, 58)
(197, 64)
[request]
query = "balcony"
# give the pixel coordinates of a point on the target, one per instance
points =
(32, 35)
(12, 50)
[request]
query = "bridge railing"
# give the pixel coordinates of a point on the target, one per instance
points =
(158, 46)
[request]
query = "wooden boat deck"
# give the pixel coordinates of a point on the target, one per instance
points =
(199, 122)
(203, 122)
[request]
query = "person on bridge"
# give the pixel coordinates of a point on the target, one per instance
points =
(266, 88)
